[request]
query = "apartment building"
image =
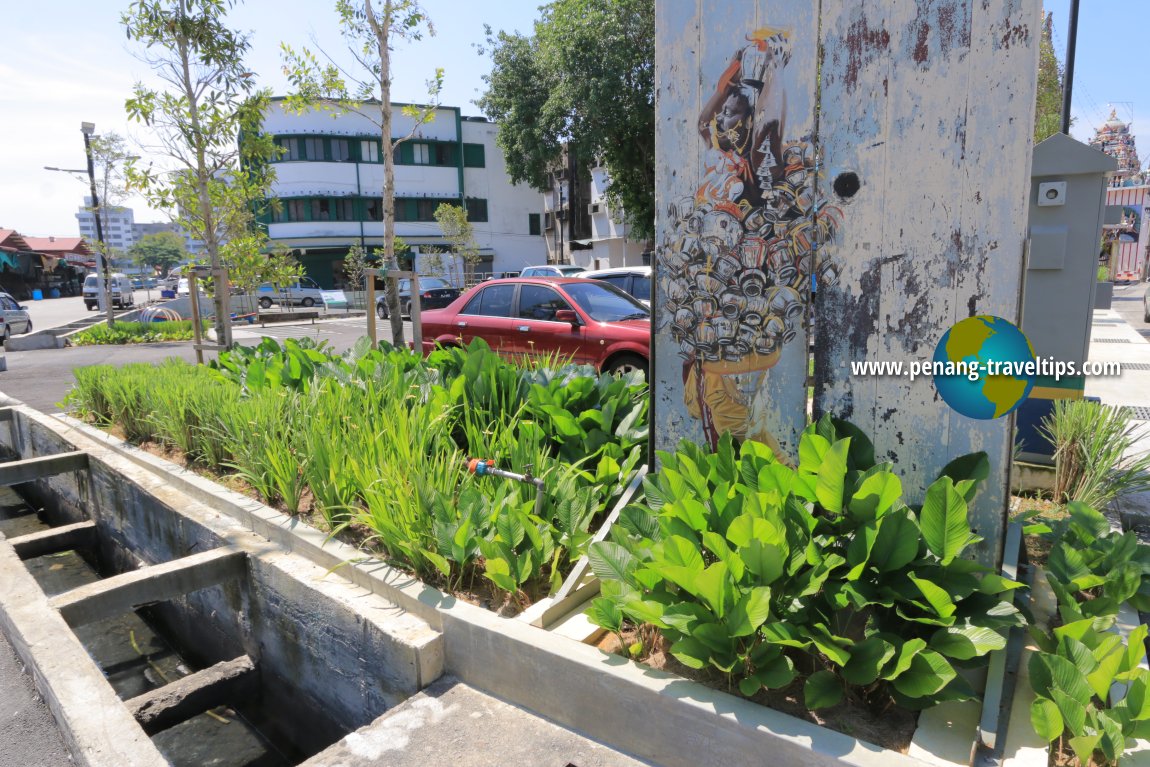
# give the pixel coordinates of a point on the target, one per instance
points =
(329, 185)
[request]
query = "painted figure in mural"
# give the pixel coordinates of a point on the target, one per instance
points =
(737, 265)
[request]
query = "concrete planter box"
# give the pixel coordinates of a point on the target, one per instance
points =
(655, 715)
(1103, 295)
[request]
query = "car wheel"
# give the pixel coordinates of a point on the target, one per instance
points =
(381, 310)
(7, 332)
(28, 329)
(265, 303)
(406, 308)
(627, 363)
(308, 302)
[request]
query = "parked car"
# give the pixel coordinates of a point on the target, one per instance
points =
(1146, 305)
(552, 270)
(122, 294)
(580, 320)
(635, 281)
(434, 293)
(306, 293)
(15, 316)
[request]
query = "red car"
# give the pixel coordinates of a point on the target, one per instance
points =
(583, 321)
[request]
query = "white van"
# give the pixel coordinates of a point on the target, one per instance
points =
(306, 293)
(122, 294)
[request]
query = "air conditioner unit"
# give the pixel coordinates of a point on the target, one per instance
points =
(595, 207)
(561, 215)
(548, 225)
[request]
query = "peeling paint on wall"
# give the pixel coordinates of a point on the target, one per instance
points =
(907, 200)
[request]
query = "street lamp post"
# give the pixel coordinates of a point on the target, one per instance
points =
(88, 129)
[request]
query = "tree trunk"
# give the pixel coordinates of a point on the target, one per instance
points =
(382, 31)
(211, 236)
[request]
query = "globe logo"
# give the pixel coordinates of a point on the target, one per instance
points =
(984, 367)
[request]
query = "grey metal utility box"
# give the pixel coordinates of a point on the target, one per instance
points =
(1067, 208)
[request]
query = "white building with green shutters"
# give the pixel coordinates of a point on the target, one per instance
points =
(329, 182)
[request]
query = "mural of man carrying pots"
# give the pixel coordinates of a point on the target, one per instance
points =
(736, 266)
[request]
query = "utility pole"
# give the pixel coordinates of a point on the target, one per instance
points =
(88, 129)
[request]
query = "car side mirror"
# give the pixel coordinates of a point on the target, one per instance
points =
(567, 315)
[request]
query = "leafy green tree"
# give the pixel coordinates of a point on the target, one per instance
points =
(355, 264)
(1048, 107)
(586, 78)
(458, 231)
(207, 102)
(161, 250)
(371, 28)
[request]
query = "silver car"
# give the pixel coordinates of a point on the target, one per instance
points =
(553, 270)
(16, 319)
(635, 281)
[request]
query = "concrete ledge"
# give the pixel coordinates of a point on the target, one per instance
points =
(97, 729)
(28, 469)
(453, 724)
(316, 638)
(78, 536)
(669, 720)
(159, 583)
(41, 339)
(194, 694)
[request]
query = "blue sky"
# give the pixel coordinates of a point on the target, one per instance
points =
(68, 62)
(1109, 68)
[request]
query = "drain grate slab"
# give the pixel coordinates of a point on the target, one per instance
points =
(1110, 340)
(1138, 412)
(1136, 365)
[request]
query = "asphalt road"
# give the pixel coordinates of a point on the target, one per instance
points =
(28, 736)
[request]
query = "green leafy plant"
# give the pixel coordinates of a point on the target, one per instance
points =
(377, 438)
(1092, 443)
(1092, 691)
(134, 333)
(767, 573)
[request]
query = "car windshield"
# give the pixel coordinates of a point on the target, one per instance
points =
(605, 303)
(569, 270)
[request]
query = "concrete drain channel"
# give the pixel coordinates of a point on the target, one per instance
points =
(161, 631)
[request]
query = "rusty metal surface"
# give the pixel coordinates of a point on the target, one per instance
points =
(908, 199)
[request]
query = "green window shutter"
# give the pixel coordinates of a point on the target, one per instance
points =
(406, 155)
(473, 156)
(533, 223)
(476, 210)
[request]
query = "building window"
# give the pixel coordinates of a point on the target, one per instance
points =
(533, 223)
(314, 148)
(373, 209)
(295, 210)
(421, 154)
(476, 209)
(321, 209)
(340, 150)
(473, 156)
(292, 149)
(345, 210)
(443, 154)
(369, 151)
(416, 209)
